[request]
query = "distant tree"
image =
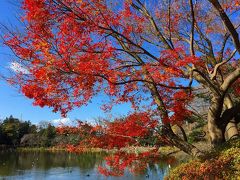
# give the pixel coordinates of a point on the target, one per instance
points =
(2, 137)
(33, 129)
(24, 128)
(31, 140)
(47, 135)
(12, 130)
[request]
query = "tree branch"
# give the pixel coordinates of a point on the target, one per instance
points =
(192, 29)
(227, 22)
(214, 73)
(230, 79)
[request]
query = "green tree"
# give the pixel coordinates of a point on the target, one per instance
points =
(47, 135)
(12, 130)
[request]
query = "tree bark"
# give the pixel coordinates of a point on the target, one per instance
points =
(214, 113)
(231, 129)
(222, 124)
(180, 143)
(183, 133)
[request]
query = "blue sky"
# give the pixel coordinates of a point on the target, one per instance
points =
(13, 103)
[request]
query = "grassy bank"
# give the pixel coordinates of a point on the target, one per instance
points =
(166, 150)
(127, 149)
(56, 149)
(25, 149)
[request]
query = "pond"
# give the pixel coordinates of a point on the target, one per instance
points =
(63, 165)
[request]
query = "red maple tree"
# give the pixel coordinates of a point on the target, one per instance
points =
(134, 51)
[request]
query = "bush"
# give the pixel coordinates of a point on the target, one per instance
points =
(196, 135)
(223, 163)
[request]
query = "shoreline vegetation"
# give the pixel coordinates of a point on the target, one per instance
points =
(164, 151)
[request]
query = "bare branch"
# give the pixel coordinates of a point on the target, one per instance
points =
(192, 29)
(146, 13)
(227, 22)
(214, 73)
(230, 79)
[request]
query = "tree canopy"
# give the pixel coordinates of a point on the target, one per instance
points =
(148, 53)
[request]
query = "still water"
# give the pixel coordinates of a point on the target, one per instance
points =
(63, 165)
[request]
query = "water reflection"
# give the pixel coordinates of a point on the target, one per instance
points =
(62, 165)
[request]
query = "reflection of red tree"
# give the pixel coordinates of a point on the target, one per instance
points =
(135, 163)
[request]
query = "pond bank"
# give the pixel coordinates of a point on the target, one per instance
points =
(165, 150)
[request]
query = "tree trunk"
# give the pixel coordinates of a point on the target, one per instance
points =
(180, 143)
(183, 133)
(214, 113)
(222, 125)
(215, 133)
(231, 130)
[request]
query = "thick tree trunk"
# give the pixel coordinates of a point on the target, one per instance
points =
(222, 125)
(215, 131)
(231, 130)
